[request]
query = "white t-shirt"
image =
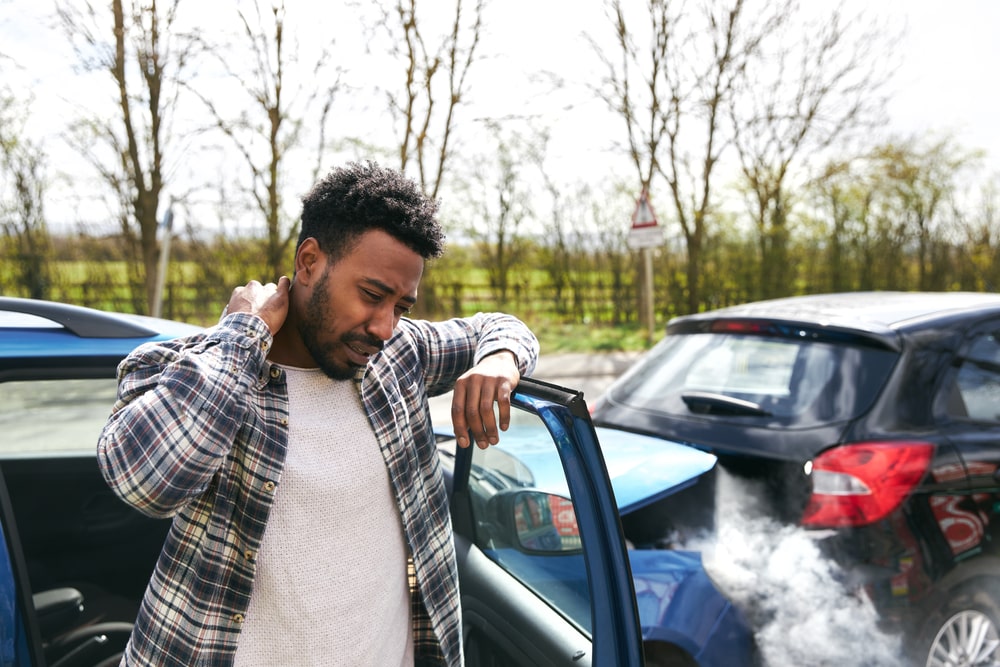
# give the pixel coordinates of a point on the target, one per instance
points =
(331, 585)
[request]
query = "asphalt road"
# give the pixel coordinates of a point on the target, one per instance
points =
(590, 373)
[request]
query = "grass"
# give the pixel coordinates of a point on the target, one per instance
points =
(555, 338)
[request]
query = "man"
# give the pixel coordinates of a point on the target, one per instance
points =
(291, 443)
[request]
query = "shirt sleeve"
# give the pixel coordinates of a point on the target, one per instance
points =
(180, 405)
(448, 349)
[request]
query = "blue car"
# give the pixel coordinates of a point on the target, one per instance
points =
(554, 569)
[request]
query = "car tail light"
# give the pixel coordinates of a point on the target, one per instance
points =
(743, 327)
(858, 484)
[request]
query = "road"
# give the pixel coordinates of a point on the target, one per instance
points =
(591, 373)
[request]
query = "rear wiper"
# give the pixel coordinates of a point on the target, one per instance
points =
(705, 403)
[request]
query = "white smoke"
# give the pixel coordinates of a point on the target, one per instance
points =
(796, 599)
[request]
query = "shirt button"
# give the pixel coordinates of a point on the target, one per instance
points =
(275, 372)
(248, 554)
(264, 345)
(284, 421)
(269, 486)
(238, 618)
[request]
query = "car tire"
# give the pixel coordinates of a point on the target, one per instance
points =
(965, 632)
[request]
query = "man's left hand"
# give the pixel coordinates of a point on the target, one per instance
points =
(489, 382)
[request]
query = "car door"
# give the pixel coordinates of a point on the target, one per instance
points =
(545, 576)
(972, 425)
(74, 530)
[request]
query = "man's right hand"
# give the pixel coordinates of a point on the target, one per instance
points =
(269, 302)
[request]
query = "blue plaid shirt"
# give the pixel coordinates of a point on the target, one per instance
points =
(199, 433)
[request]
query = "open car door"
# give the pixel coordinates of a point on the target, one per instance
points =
(545, 576)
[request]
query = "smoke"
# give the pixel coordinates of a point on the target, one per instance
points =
(796, 599)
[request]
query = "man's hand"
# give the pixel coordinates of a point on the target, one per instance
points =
(489, 382)
(269, 302)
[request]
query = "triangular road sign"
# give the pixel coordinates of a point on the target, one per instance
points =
(643, 215)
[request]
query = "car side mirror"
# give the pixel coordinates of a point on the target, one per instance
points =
(537, 522)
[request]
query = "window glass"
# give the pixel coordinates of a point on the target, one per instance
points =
(54, 415)
(525, 518)
(979, 380)
(799, 381)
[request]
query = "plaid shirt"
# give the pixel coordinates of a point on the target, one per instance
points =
(199, 433)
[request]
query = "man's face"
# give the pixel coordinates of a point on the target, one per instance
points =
(355, 304)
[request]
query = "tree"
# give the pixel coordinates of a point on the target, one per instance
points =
(434, 85)
(980, 230)
(818, 81)
(22, 198)
(891, 215)
(138, 47)
(498, 200)
(285, 110)
(560, 234)
(671, 81)
(612, 257)
(921, 179)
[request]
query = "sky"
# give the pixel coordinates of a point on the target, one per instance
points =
(945, 82)
(948, 56)
(943, 85)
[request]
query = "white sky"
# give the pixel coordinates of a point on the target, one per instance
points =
(945, 84)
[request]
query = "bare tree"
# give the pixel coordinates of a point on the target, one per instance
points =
(820, 82)
(22, 197)
(676, 70)
(285, 110)
(435, 84)
(137, 46)
(612, 259)
(498, 200)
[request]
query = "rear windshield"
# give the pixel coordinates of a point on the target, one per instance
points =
(800, 382)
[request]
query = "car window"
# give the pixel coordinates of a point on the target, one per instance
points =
(525, 519)
(800, 381)
(978, 381)
(54, 415)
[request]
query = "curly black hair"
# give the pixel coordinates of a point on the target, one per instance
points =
(358, 198)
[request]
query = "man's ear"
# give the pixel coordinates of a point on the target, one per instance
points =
(309, 261)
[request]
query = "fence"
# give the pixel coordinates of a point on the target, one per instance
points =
(596, 302)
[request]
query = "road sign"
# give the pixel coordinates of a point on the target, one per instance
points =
(644, 216)
(645, 232)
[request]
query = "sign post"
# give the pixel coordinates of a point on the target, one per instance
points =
(645, 235)
(161, 275)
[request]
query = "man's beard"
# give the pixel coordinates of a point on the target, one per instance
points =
(310, 327)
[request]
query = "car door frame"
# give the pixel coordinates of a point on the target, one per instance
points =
(617, 635)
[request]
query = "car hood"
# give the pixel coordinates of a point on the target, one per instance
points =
(644, 469)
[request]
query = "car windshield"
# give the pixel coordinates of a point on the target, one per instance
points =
(796, 381)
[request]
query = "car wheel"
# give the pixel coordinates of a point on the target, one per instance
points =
(967, 631)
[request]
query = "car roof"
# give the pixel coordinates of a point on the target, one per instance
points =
(878, 313)
(32, 330)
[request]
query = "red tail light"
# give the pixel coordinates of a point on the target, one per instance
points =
(859, 484)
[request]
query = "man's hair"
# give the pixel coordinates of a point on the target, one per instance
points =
(358, 198)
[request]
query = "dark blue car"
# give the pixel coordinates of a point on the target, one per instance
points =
(548, 576)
